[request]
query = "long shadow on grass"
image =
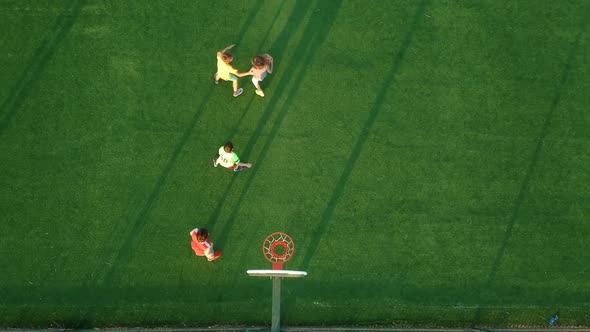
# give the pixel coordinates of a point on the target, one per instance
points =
(219, 206)
(131, 232)
(357, 148)
(322, 18)
(123, 253)
(272, 24)
(295, 19)
(524, 187)
(21, 90)
(333, 291)
(248, 23)
(357, 292)
(252, 99)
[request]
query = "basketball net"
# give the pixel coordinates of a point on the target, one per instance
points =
(278, 248)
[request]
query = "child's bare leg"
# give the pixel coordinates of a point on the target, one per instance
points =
(209, 253)
(237, 90)
(240, 166)
(256, 84)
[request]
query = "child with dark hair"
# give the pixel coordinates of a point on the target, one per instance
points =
(201, 244)
(226, 72)
(261, 65)
(227, 158)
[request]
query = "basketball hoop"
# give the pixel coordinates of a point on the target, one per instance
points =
(278, 248)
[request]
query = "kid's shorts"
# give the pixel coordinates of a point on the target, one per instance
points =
(232, 77)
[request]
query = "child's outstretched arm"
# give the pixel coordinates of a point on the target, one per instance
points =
(225, 49)
(246, 73)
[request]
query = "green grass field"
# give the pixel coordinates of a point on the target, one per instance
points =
(430, 158)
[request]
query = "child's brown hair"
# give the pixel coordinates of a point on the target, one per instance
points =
(228, 147)
(227, 58)
(259, 61)
(202, 234)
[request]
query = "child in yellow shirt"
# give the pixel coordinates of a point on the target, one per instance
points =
(226, 72)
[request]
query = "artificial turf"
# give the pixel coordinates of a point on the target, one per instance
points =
(429, 158)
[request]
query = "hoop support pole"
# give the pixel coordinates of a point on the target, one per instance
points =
(276, 304)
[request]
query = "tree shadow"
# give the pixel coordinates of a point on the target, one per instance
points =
(300, 294)
(23, 86)
(524, 187)
(397, 61)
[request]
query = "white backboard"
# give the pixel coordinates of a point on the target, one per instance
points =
(277, 273)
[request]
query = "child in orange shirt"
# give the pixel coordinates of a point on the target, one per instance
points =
(201, 244)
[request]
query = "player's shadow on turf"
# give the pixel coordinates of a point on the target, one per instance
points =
(238, 123)
(21, 90)
(143, 217)
(131, 232)
(524, 187)
(218, 208)
(397, 61)
(276, 66)
(316, 30)
(295, 19)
